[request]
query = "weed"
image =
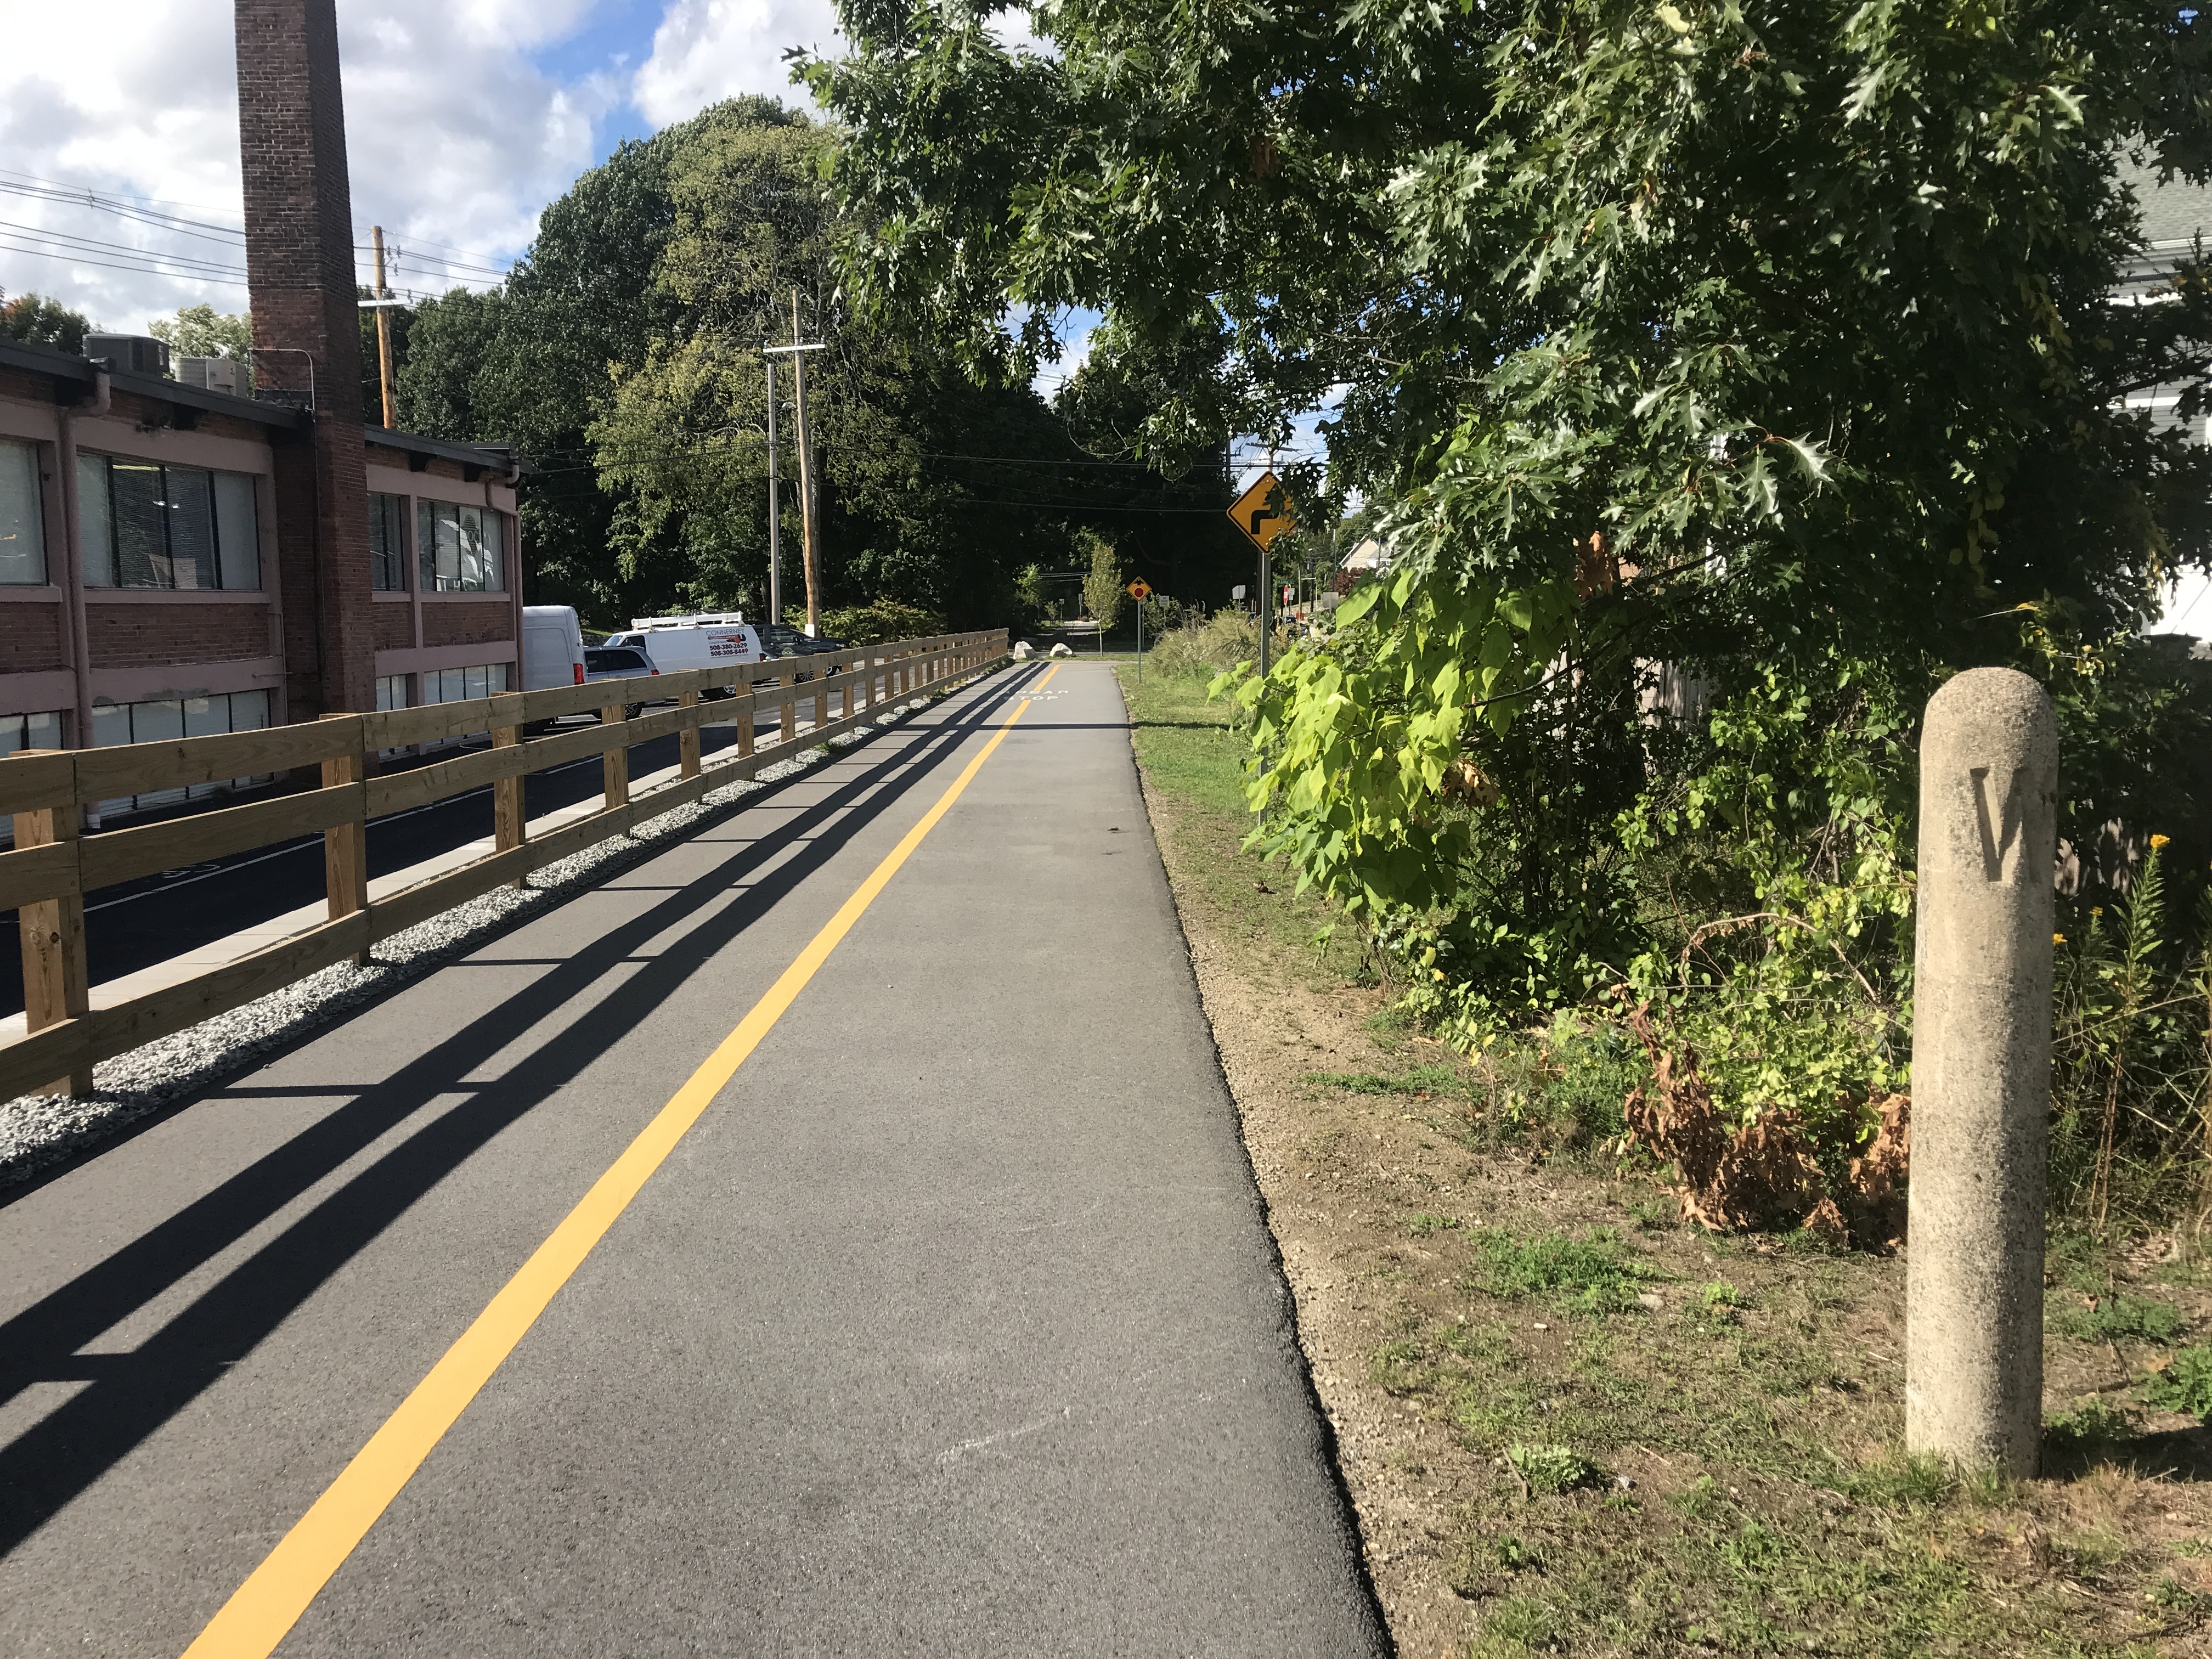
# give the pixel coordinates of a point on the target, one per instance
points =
(1700, 1498)
(1655, 1215)
(1421, 1081)
(1402, 1368)
(1591, 1274)
(2077, 1259)
(2176, 1597)
(1720, 1294)
(1550, 1468)
(1899, 1482)
(1515, 1624)
(2091, 1424)
(2183, 1383)
(1421, 1225)
(2117, 1318)
(1514, 1556)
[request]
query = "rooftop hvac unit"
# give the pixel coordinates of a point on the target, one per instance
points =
(213, 373)
(129, 353)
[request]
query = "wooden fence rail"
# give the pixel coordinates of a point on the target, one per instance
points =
(51, 868)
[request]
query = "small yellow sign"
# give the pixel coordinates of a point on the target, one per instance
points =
(1256, 518)
(1141, 590)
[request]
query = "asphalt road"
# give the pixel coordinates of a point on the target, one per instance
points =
(951, 1326)
(134, 925)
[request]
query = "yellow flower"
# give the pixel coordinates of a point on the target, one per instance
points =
(2058, 939)
(2096, 909)
(2157, 842)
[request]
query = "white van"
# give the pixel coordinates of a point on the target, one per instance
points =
(552, 646)
(713, 640)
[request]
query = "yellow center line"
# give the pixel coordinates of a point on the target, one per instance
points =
(269, 1602)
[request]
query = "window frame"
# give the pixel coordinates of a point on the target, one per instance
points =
(104, 567)
(36, 527)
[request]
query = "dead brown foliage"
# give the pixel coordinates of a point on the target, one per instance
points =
(1763, 1174)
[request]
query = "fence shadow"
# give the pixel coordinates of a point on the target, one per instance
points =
(131, 1396)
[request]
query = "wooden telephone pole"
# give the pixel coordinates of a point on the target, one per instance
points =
(383, 326)
(809, 516)
(774, 505)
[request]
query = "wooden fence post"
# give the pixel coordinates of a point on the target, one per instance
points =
(54, 984)
(789, 712)
(850, 671)
(686, 741)
(614, 761)
(510, 822)
(345, 848)
(747, 716)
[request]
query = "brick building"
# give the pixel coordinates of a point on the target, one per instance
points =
(176, 560)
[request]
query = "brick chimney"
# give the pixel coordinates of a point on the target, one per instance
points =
(306, 339)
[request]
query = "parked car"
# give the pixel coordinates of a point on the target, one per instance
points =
(707, 641)
(552, 648)
(618, 662)
(782, 640)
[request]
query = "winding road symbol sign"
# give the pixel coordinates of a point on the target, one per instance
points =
(1258, 521)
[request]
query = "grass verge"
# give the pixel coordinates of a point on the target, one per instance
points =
(1571, 1425)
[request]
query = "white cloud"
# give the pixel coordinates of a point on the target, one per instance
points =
(709, 50)
(454, 137)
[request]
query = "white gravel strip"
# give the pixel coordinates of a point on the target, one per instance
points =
(39, 1130)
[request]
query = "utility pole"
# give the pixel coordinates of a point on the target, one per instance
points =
(383, 326)
(807, 512)
(775, 506)
(806, 483)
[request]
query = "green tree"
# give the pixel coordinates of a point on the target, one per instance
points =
(36, 319)
(1105, 593)
(200, 330)
(1769, 341)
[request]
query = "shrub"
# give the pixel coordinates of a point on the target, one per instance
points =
(881, 621)
(1202, 650)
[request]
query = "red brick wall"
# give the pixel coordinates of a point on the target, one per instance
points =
(30, 638)
(467, 624)
(395, 627)
(150, 635)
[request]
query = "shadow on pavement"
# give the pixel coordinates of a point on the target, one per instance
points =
(131, 1396)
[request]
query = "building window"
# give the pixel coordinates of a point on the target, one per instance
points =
(387, 543)
(169, 718)
(29, 732)
(391, 692)
(144, 524)
(459, 547)
(22, 519)
(457, 684)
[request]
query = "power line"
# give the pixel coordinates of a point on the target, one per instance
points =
(43, 235)
(110, 265)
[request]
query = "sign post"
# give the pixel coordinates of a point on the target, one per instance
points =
(1263, 514)
(1139, 590)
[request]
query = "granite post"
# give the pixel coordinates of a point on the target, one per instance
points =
(1981, 1073)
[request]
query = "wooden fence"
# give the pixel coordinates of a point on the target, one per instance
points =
(51, 867)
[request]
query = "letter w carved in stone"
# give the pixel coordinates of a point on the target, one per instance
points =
(2009, 818)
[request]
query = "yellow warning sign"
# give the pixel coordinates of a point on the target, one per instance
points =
(1258, 520)
(1141, 590)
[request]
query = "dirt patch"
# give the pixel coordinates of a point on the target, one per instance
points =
(1571, 1423)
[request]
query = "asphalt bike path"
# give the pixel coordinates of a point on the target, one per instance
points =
(830, 1235)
